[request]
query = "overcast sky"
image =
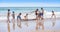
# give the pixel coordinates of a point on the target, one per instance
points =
(29, 3)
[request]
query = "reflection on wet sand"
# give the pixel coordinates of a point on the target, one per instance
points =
(8, 27)
(53, 22)
(19, 23)
(36, 27)
(26, 23)
(45, 31)
(39, 23)
(0, 30)
(14, 24)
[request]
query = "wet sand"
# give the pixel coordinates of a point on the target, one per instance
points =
(50, 25)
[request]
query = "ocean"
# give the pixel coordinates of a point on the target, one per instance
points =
(28, 9)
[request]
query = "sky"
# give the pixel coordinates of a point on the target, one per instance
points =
(29, 3)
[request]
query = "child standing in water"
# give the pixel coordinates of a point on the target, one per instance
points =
(13, 16)
(53, 14)
(54, 18)
(36, 13)
(26, 17)
(41, 13)
(8, 15)
(19, 20)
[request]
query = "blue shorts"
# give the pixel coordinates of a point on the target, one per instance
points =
(41, 14)
(18, 17)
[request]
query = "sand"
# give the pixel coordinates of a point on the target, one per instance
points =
(5, 27)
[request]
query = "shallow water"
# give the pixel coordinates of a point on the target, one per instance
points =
(48, 26)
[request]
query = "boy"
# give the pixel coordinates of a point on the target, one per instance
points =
(8, 15)
(26, 17)
(13, 16)
(53, 14)
(19, 20)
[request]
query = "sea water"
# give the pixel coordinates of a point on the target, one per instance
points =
(28, 9)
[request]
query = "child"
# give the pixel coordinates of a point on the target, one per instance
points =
(26, 17)
(36, 13)
(13, 16)
(41, 16)
(8, 15)
(42, 13)
(19, 20)
(53, 14)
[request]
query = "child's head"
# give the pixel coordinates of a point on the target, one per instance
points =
(26, 14)
(13, 11)
(41, 8)
(19, 13)
(8, 9)
(37, 9)
(52, 11)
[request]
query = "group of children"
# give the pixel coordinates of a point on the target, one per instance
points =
(39, 16)
(40, 19)
(13, 18)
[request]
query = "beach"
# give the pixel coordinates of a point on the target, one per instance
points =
(29, 15)
(31, 26)
(49, 24)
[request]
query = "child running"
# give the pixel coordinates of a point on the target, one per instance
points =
(19, 20)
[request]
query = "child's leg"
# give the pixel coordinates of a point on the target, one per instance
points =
(13, 23)
(7, 19)
(42, 26)
(20, 23)
(36, 26)
(17, 22)
(26, 23)
(42, 18)
(55, 16)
